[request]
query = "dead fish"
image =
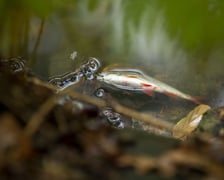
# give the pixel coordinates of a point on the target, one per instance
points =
(135, 80)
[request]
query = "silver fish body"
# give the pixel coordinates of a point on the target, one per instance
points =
(134, 80)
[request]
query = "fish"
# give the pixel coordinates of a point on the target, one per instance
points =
(135, 80)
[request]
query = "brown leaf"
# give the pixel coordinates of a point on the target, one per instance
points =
(188, 124)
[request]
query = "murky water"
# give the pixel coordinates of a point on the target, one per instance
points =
(178, 43)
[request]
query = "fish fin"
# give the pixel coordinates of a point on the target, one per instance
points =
(197, 99)
(148, 89)
(149, 92)
(173, 95)
(146, 86)
(131, 76)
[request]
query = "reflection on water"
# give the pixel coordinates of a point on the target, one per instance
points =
(87, 71)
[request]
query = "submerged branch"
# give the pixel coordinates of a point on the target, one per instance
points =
(144, 117)
(38, 117)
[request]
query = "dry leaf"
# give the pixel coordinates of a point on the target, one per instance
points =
(188, 124)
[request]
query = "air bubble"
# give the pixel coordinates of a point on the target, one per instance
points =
(120, 125)
(90, 77)
(80, 75)
(74, 78)
(94, 64)
(113, 118)
(89, 69)
(100, 92)
(66, 80)
(107, 112)
(86, 70)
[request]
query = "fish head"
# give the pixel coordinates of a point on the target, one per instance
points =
(108, 77)
(100, 77)
(121, 80)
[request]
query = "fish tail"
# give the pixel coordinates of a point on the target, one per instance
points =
(197, 99)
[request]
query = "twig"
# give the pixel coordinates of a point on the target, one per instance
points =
(168, 163)
(147, 118)
(38, 117)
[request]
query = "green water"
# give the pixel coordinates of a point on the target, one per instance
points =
(177, 42)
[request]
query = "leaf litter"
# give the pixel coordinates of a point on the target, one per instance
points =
(188, 124)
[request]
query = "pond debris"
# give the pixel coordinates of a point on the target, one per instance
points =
(188, 124)
(73, 55)
(15, 64)
(86, 70)
(200, 158)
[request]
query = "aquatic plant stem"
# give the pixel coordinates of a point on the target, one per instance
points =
(38, 40)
